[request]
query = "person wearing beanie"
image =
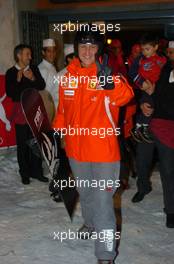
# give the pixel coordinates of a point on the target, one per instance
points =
(87, 104)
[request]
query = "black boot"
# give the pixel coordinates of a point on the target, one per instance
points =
(42, 179)
(25, 181)
(24, 177)
(170, 220)
(139, 196)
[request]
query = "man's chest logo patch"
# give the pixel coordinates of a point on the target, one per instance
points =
(92, 85)
(69, 92)
(73, 82)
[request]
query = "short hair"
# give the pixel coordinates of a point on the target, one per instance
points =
(20, 48)
(149, 39)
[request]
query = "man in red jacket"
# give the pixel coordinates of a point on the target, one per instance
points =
(91, 105)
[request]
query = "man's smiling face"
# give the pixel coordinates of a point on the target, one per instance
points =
(87, 54)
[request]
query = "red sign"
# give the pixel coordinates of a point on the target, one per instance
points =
(7, 130)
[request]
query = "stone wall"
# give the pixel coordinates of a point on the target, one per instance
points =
(10, 28)
(8, 33)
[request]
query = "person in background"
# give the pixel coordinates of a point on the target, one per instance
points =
(47, 68)
(135, 53)
(149, 68)
(69, 55)
(19, 78)
(116, 61)
(162, 129)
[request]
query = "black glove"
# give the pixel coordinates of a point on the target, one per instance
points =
(104, 71)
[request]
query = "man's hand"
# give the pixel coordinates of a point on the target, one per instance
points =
(146, 109)
(151, 87)
(19, 75)
(148, 87)
(29, 74)
(144, 86)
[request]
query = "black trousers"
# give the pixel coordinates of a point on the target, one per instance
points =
(30, 165)
(144, 158)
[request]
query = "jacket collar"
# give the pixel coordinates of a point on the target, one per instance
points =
(75, 68)
(19, 68)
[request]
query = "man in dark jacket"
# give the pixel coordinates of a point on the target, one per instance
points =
(162, 127)
(18, 78)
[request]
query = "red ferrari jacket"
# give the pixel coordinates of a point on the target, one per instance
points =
(88, 115)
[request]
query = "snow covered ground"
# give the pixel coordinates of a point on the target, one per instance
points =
(29, 218)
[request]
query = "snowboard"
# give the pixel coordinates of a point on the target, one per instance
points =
(37, 118)
(49, 104)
